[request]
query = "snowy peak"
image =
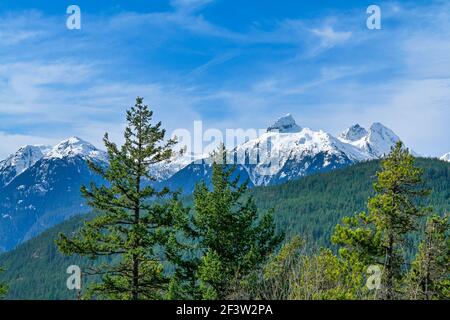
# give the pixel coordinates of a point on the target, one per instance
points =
(379, 130)
(289, 156)
(24, 157)
(354, 133)
(287, 152)
(380, 140)
(27, 156)
(74, 147)
(446, 157)
(285, 124)
(375, 143)
(20, 161)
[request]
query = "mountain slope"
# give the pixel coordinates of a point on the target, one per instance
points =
(18, 162)
(186, 179)
(310, 207)
(47, 192)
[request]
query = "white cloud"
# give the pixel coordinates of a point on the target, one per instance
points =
(329, 37)
(10, 143)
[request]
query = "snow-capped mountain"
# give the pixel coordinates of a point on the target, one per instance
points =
(40, 185)
(277, 157)
(28, 155)
(285, 124)
(354, 133)
(18, 162)
(446, 157)
(376, 142)
(293, 153)
(76, 147)
(45, 189)
(287, 151)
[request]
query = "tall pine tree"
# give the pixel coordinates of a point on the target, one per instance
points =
(379, 237)
(429, 277)
(234, 240)
(132, 228)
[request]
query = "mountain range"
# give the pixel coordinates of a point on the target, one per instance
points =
(39, 185)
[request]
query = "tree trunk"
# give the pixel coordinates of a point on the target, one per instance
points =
(389, 268)
(135, 288)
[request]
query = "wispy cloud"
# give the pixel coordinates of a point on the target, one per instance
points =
(330, 38)
(329, 71)
(189, 5)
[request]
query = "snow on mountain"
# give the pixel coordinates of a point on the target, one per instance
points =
(166, 169)
(27, 156)
(274, 155)
(45, 189)
(74, 147)
(287, 151)
(376, 143)
(354, 133)
(446, 157)
(380, 140)
(21, 160)
(293, 151)
(285, 124)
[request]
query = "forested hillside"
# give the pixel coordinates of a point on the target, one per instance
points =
(310, 207)
(313, 206)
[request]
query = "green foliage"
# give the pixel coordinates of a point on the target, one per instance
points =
(429, 277)
(226, 222)
(379, 236)
(295, 274)
(37, 270)
(314, 205)
(3, 288)
(324, 276)
(276, 282)
(131, 223)
(310, 207)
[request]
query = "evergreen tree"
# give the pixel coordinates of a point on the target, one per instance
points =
(429, 277)
(135, 223)
(234, 240)
(379, 236)
(3, 288)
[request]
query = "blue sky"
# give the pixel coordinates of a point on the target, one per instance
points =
(232, 64)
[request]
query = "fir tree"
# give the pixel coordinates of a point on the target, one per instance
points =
(235, 241)
(3, 288)
(379, 236)
(136, 223)
(429, 277)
